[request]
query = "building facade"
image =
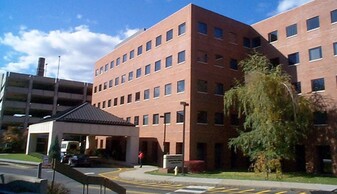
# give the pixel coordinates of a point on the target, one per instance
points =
(192, 56)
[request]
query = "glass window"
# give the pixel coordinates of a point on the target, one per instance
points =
(320, 118)
(112, 64)
(202, 27)
(132, 54)
(96, 72)
(100, 87)
(294, 58)
(130, 75)
(129, 98)
(136, 120)
(118, 61)
(105, 85)
(155, 119)
(233, 64)
(297, 87)
(157, 65)
(181, 56)
(315, 53)
(246, 42)
(122, 100)
(256, 42)
(219, 60)
(168, 61)
(101, 70)
(138, 72)
(202, 86)
(103, 104)
(291, 30)
(202, 56)
(181, 29)
(109, 103)
(218, 33)
(168, 89)
(180, 116)
(335, 48)
(128, 119)
(219, 118)
(317, 84)
(147, 69)
(158, 40)
(116, 81)
(202, 117)
(110, 83)
(99, 105)
(145, 119)
(180, 86)
(148, 45)
(125, 57)
(156, 92)
(219, 89)
(115, 101)
(106, 67)
(123, 79)
(169, 35)
(272, 36)
(137, 96)
(140, 50)
(313, 23)
(146, 94)
(334, 16)
(167, 117)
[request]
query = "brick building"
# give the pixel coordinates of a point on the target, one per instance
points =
(192, 56)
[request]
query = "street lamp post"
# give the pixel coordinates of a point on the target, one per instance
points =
(183, 147)
(164, 139)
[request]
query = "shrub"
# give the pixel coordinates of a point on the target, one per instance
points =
(195, 166)
(58, 189)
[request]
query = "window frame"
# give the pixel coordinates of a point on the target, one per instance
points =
(291, 30)
(311, 55)
(157, 66)
(168, 89)
(202, 28)
(218, 33)
(294, 61)
(317, 84)
(156, 92)
(147, 69)
(180, 86)
(169, 35)
(311, 25)
(273, 36)
(181, 57)
(182, 29)
(333, 16)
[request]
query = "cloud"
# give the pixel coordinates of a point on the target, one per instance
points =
(78, 48)
(285, 5)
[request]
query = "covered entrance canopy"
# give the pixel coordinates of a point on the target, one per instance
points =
(86, 120)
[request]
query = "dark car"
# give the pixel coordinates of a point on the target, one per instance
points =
(79, 160)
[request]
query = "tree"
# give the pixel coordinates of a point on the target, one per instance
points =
(14, 139)
(275, 117)
(55, 150)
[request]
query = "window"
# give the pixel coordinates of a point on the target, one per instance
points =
(129, 98)
(105, 85)
(202, 86)
(167, 117)
(115, 101)
(156, 92)
(145, 119)
(180, 86)
(202, 56)
(335, 48)
(139, 50)
(218, 33)
(219, 60)
(313, 23)
(95, 89)
(155, 119)
(202, 28)
(112, 64)
(158, 40)
(137, 96)
(291, 30)
(168, 89)
(181, 29)
(130, 75)
(110, 83)
(99, 105)
(168, 61)
(147, 69)
(181, 56)
(202, 117)
(317, 84)
(103, 104)
(334, 16)
(100, 87)
(116, 81)
(272, 36)
(101, 70)
(219, 89)
(146, 94)
(315, 53)
(256, 42)
(180, 116)
(138, 72)
(157, 65)
(109, 103)
(136, 120)
(246, 42)
(96, 72)
(320, 118)
(125, 57)
(122, 100)
(297, 87)
(219, 118)
(132, 54)
(106, 67)
(294, 58)
(169, 35)
(148, 45)
(128, 119)
(233, 64)
(118, 61)
(123, 79)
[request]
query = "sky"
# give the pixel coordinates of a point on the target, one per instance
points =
(73, 34)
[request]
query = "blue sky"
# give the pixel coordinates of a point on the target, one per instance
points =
(82, 31)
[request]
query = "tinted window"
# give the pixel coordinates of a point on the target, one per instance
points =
(334, 16)
(317, 84)
(158, 40)
(181, 29)
(293, 58)
(202, 28)
(313, 23)
(181, 56)
(315, 53)
(272, 36)
(335, 48)
(218, 33)
(291, 30)
(169, 35)
(168, 61)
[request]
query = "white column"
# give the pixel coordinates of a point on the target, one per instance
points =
(132, 148)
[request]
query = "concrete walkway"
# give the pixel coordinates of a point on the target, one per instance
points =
(139, 174)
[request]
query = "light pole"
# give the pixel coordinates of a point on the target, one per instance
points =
(183, 148)
(164, 139)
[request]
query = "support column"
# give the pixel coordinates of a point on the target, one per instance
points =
(90, 145)
(31, 143)
(132, 148)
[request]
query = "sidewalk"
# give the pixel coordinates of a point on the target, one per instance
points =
(139, 174)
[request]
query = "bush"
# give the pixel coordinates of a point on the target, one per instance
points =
(58, 189)
(195, 166)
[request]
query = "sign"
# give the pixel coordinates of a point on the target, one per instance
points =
(171, 161)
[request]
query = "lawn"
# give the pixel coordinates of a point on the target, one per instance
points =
(21, 157)
(286, 177)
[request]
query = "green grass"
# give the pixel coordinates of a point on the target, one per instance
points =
(21, 157)
(286, 177)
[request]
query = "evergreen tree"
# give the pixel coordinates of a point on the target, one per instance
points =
(55, 150)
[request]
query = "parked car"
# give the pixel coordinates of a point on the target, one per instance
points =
(68, 150)
(79, 160)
